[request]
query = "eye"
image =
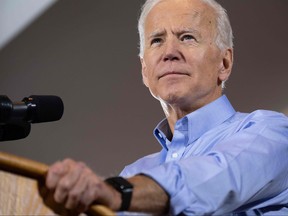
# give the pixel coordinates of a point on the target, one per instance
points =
(156, 41)
(187, 37)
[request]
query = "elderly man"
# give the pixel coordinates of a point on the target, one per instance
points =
(214, 160)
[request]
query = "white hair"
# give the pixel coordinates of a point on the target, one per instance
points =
(223, 40)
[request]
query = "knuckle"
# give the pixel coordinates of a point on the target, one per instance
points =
(81, 166)
(74, 196)
(59, 197)
(68, 161)
(55, 169)
(64, 185)
(93, 194)
(94, 185)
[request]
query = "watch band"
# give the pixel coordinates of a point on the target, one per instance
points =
(125, 188)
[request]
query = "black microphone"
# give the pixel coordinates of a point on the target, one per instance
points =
(14, 131)
(16, 118)
(32, 109)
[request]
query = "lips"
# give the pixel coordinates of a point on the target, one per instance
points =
(172, 73)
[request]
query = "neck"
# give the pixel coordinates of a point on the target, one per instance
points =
(175, 112)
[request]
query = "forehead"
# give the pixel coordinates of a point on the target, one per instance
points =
(183, 13)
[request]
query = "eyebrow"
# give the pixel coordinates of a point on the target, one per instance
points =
(187, 30)
(178, 31)
(157, 33)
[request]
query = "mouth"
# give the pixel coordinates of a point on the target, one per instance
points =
(173, 73)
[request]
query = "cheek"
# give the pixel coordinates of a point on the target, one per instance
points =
(151, 70)
(211, 65)
(147, 69)
(149, 78)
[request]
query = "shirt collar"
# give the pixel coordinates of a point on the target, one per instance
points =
(198, 122)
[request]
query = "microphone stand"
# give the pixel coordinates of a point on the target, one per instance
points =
(14, 131)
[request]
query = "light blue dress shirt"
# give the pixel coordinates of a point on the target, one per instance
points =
(222, 162)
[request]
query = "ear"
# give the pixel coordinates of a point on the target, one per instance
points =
(144, 72)
(226, 65)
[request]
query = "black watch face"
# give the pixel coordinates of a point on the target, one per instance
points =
(120, 184)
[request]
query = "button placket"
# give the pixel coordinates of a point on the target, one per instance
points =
(176, 147)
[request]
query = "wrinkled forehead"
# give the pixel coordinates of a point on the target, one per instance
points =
(199, 12)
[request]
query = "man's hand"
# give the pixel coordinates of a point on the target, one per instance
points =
(77, 187)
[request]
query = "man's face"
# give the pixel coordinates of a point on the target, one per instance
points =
(181, 64)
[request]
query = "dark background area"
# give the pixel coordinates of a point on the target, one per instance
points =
(86, 52)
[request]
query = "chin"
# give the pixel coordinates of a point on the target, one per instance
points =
(171, 95)
(173, 98)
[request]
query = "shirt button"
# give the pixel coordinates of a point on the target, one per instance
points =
(175, 155)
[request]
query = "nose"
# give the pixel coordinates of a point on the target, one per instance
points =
(172, 51)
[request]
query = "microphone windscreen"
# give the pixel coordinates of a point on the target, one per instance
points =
(48, 108)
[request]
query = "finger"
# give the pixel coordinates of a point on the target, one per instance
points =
(76, 193)
(55, 172)
(68, 181)
(93, 191)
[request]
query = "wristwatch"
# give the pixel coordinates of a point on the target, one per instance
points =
(125, 188)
